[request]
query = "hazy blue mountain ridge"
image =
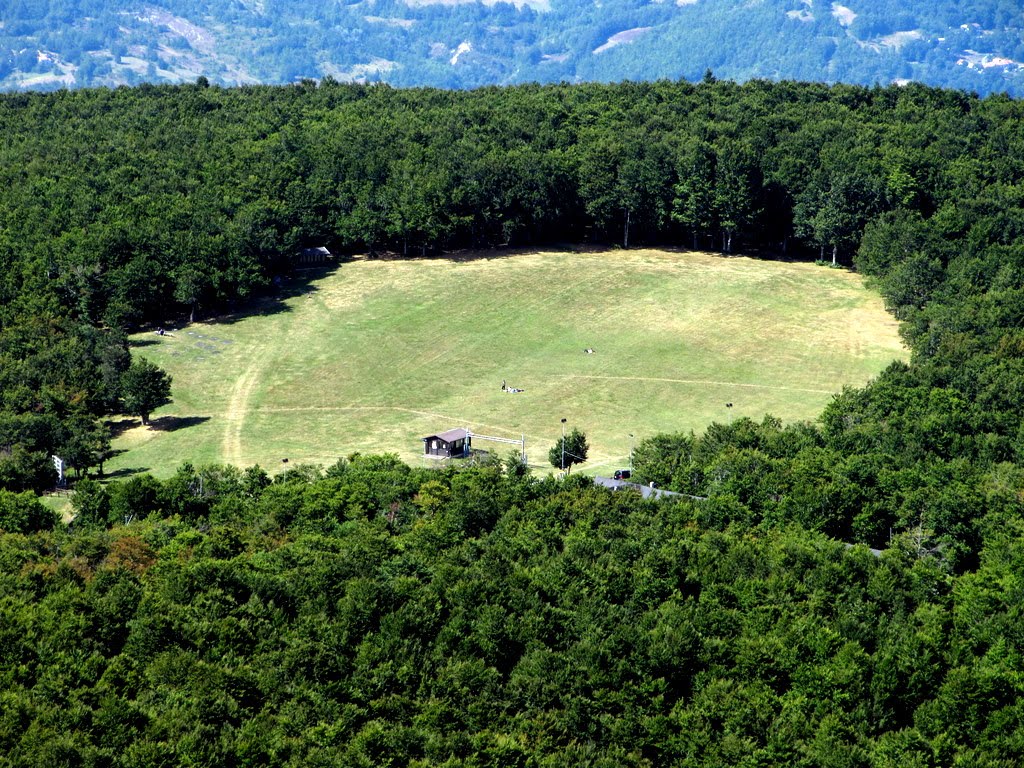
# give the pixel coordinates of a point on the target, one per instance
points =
(971, 44)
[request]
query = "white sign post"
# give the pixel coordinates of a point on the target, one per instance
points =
(58, 464)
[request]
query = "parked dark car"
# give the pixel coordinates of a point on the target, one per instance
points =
(621, 474)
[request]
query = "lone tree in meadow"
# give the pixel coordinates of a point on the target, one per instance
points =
(144, 388)
(569, 450)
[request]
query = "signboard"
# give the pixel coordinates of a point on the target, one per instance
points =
(58, 464)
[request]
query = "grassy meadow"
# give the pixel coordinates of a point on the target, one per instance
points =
(377, 354)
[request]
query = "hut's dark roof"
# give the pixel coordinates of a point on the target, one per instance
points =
(450, 436)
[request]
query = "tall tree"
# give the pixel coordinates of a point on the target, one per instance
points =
(694, 202)
(144, 388)
(832, 212)
(734, 192)
(87, 443)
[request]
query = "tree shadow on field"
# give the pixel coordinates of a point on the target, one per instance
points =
(135, 343)
(174, 423)
(302, 282)
(795, 253)
(117, 474)
(118, 427)
(273, 301)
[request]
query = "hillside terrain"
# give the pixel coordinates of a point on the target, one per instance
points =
(155, 206)
(971, 44)
(367, 612)
(378, 354)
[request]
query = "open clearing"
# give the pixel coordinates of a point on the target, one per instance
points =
(378, 354)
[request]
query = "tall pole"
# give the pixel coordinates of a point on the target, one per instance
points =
(631, 440)
(563, 445)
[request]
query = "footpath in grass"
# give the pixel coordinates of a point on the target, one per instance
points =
(377, 354)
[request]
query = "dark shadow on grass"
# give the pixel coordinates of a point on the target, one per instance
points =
(174, 423)
(117, 474)
(273, 301)
(301, 282)
(134, 343)
(118, 427)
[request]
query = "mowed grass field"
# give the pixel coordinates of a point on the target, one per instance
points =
(378, 354)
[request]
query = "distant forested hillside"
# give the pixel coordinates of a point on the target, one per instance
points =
(975, 45)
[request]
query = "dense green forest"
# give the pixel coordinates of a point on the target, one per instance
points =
(975, 45)
(373, 614)
(378, 615)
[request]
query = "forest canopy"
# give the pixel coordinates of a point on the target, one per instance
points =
(373, 614)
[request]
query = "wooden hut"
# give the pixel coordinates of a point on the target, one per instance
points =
(454, 443)
(309, 257)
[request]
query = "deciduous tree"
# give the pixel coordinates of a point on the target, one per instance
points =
(568, 450)
(144, 388)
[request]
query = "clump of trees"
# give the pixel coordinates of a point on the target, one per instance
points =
(171, 199)
(59, 378)
(24, 513)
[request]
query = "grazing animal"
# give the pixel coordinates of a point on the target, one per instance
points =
(589, 350)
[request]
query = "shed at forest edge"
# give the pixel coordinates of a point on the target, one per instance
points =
(450, 444)
(313, 256)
